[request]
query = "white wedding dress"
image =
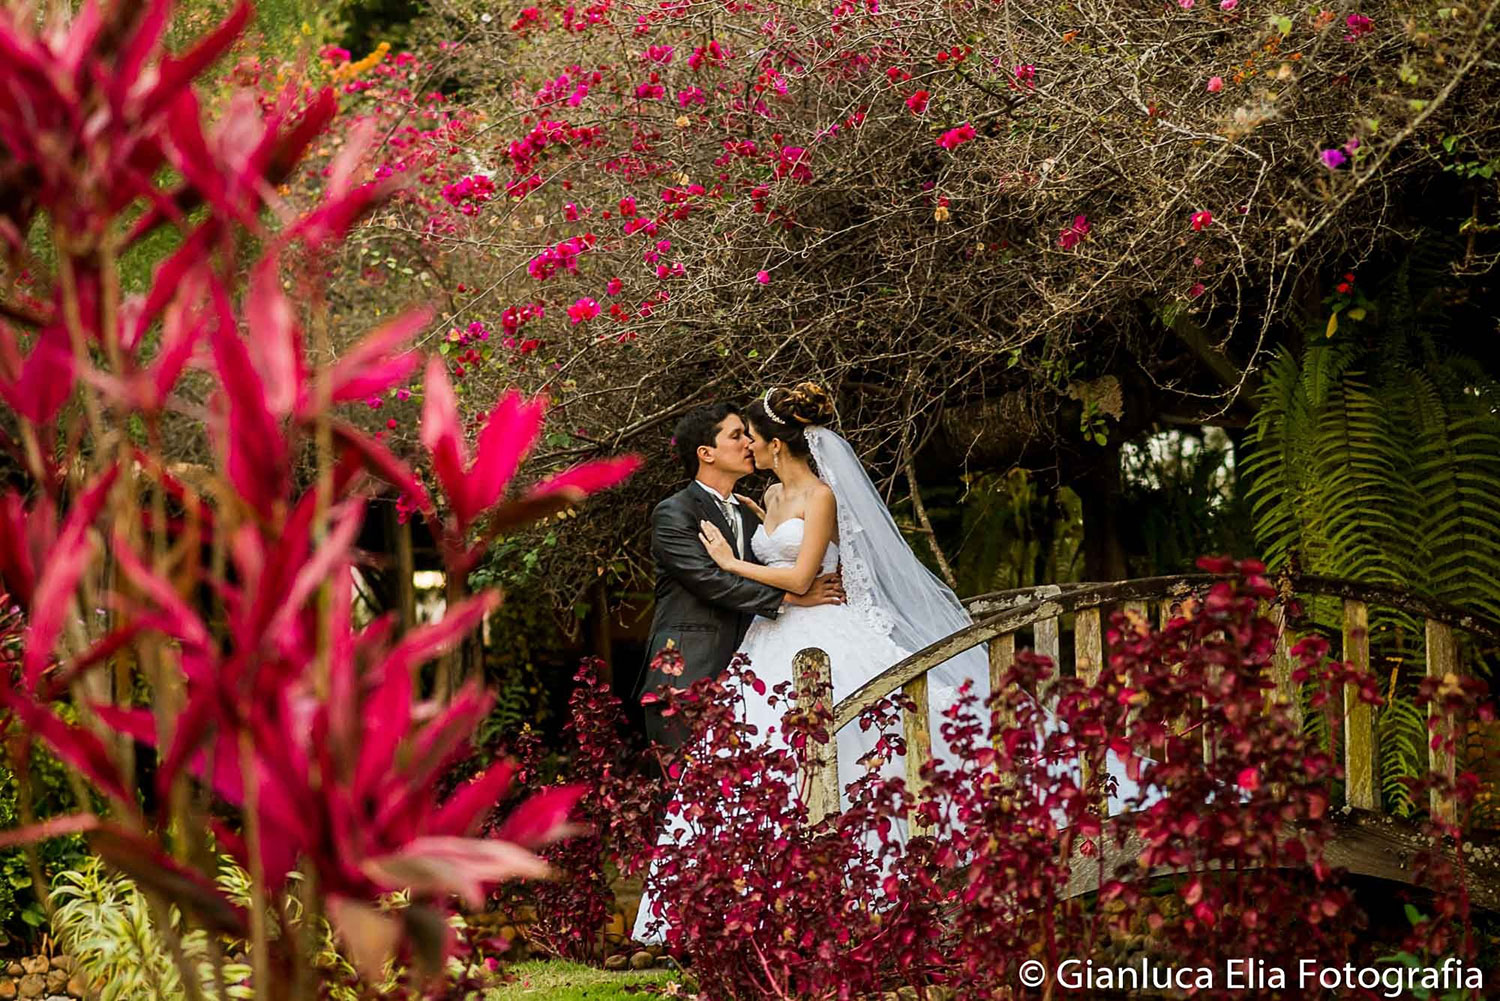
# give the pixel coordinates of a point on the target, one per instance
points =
(856, 653)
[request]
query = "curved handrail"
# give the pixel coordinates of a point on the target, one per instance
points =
(1071, 598)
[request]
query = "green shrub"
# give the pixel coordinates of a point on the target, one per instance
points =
(22, 916)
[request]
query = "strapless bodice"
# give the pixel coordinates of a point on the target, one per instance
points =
(780, 548)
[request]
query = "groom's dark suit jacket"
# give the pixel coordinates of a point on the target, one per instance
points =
(704, 609)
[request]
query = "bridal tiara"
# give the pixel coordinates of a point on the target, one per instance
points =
(765, 401)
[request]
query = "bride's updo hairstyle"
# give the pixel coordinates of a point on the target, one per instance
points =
(786, 414)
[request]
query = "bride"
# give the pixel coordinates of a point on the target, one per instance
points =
(824, 513)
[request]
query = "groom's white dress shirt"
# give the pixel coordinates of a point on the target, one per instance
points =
(731, 507)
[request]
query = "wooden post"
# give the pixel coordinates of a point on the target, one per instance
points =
(1287, 692)
(915, 726)
(1180, 724)
(1088, 645)
(1047, 643)
(1002, 656)
(1361, 789)
(1442, 661)
(1088, 657)
(813, 674)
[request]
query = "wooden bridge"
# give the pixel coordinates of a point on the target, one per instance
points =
(1367, 841)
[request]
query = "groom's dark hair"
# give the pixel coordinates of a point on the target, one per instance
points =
(699, 427)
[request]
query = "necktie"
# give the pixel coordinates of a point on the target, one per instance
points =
(733, 517)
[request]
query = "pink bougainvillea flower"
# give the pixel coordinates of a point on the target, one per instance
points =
(1228, 5)
(1074, 232)
(583, 309)
(613, 287)
(763, 277)
(1333, 159)
(918, 101)
(1215, 84)
(1024, 76)
(1202, 220)
(1359, 26)
(1196, 290)
(956, 137)
(792, 162)
(1185, 4)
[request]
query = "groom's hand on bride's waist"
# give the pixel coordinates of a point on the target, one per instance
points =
(825, 590)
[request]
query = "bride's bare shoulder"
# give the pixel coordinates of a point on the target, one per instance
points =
(772, 494)
(821, 495)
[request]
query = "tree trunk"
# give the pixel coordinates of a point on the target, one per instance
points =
(602, 643)
(1099, 490)
(404, 591)
(455, 666)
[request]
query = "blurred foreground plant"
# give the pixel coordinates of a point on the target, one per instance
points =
(204, 612)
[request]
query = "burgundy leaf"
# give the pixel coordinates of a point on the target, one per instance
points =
(177, 73)
(275, 341)
(256, 451)
(379, 460)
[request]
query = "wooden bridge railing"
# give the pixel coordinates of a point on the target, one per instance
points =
(997, 618)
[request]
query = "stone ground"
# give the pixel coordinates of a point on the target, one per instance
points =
(40, 977)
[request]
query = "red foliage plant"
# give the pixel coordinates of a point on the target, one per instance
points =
(766, 903)
(615, 817)
(285, 735)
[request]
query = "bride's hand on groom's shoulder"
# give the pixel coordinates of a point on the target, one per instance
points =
(754, 507)
(718, 547)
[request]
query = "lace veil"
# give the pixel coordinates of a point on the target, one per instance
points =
(886, 583)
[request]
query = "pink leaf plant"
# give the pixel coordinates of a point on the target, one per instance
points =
(284, 735)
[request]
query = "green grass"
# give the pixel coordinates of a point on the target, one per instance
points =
(560, 981)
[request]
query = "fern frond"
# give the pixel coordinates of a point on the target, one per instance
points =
(1402, 731)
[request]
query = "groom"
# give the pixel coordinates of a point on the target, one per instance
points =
(703, 609)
